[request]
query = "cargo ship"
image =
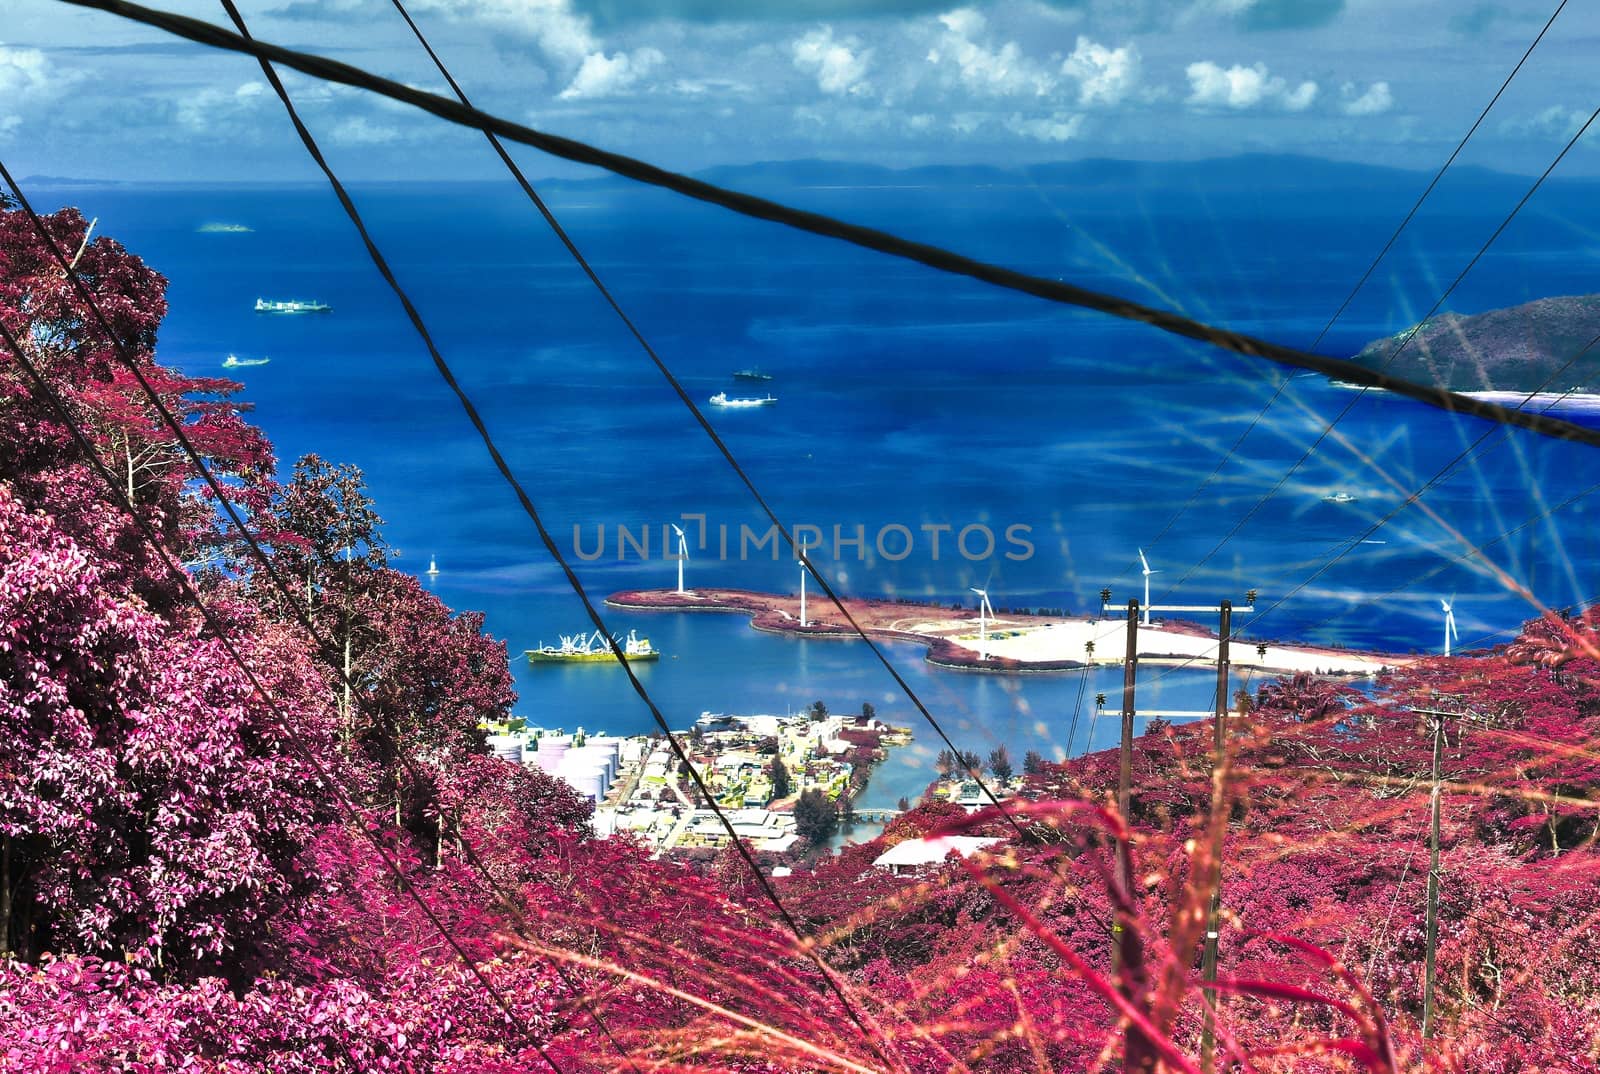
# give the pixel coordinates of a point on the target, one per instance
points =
(290, 306)
(721, 399)
(751, 374)
(592, 649)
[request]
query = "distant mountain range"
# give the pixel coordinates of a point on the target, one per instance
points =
(1524, 348)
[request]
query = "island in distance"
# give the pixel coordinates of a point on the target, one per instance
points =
(1519, 349)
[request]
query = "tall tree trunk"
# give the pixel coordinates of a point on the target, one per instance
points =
(348, 722)
(5, 895)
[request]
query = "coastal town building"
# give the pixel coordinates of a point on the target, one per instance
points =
(641, 787)
(915, 855)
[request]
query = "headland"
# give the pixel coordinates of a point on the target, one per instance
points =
(1013, 642)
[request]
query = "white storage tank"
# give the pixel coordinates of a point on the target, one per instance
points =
(596, 755)
(586, 778)
(551, 754)
(506, 747)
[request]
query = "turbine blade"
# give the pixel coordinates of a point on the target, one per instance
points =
(1144, 562)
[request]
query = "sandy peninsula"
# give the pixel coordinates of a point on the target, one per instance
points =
(1015, 643)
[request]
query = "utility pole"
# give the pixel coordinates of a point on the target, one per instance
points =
(1130, 671)
(1430, 967)
(1124, 794)
(1127, 955)
(1219, 746)
(1436, 719)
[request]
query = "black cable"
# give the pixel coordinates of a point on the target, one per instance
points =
(290, 601)
(1464, 558)
(1367, 275)
(382, 265)
(1475, 552)
(1077, 706)
(1394, 354)
(699, 415)
(818, 224)
(220, 631)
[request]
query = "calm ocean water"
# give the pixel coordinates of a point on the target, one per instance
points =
(906, 399)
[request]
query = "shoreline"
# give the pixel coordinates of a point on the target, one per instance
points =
(1017, 643)
(1581, 402)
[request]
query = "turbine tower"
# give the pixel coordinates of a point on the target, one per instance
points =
(1145, 563)
(1449, 626)
(802, 564)
(683, 553)
(985, 613)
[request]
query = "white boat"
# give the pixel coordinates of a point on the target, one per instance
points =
(1339, 497)
(433, 565)
(290, 306)
(233, 361)
(721, 399)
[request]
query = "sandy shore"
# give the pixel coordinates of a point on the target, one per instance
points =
(1015, 642)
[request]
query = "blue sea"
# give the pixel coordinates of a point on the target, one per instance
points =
(908, 402)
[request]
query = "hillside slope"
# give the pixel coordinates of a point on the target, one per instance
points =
(1521, 348)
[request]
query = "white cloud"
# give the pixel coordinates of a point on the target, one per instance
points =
(839, 66)
(1376, 99)
(1300, 98)
(26, 76)
(1558, 119)
(566, 36)
(964, 22)
(22, 71)
(1059, 127)
(1104, 75)
(1214, 86)
(602, 76)
(211, 110)
(560, 32)
(1002, 71)
(357, 131)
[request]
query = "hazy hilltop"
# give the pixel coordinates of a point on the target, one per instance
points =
(1521, 348)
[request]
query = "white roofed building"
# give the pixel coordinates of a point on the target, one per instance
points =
(914, 855)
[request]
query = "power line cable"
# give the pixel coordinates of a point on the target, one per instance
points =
(698, 414)
(382, 265)
(220, 631)
(933, 257)
(323, 644)
(1367, 275)
(1463, 559)
(1394, 354)
(1413, 497)
(1474, 553)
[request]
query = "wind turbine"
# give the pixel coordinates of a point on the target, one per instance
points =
(1147, 573)
(984, 609)
(1449, 626)
(802, 564)
(683, 553)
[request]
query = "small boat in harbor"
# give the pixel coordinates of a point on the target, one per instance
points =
(752, 373)
(290, 306)
(592, 649)
(233, 361)
(721, 399)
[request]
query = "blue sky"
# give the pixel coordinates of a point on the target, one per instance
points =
(691, 83)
